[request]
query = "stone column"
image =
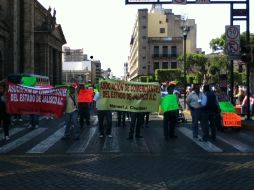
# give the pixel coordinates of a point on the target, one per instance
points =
(28, 36)
(16, 36)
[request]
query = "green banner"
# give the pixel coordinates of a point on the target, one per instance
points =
(129, 96)
(169, 103)
(28, 81)
(227, 107)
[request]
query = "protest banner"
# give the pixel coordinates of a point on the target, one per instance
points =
(129, 96)
(169, 103)
(227, 107)
(231, 120)
(85, 95)
(31, 100)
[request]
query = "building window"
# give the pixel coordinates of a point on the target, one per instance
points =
(173, 51)
(144, 27)
(160, 22)
(143, 57)
(156, 65)
(165, 65)
(156, 51)
(144, 37)
(165, 51)
(143, 47)
(162, 30)
(173, 65)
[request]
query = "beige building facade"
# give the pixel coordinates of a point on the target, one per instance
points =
(157, 41)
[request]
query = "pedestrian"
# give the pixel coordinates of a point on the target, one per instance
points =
(137, 119)
(121, 116)
(146, 119)
(34, 121)
(195, 101)
(209, 114)
(84, 110)
(103, 115)
(5, 118)
(71, 115)
(170, 106)
(17, 117)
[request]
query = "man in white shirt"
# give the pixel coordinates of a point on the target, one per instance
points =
(101, 115)
(196, 100)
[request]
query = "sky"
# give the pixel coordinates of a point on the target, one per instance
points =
(103, 28)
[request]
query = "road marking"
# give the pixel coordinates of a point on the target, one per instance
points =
(139, 145)
(95, 120)
(235, 143)
(208, 146)
(15, 130)
(49, 142)
(22, 140)
(81, 145)
(112, 144)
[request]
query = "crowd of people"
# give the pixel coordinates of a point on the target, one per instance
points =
(203, 105)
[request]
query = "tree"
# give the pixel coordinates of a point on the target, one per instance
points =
(196, 64)
(218, 43)
(162, 75)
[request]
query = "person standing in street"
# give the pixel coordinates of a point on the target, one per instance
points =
(170, 107)
(84, 111)
(5, 118)
(209, 114)
(103, 114)
(195, 101)
(71, 115)
(137, 119)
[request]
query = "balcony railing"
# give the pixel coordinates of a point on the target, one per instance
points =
(164, 56)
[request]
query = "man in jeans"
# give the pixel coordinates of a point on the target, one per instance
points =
(71, 115)
(196, 100)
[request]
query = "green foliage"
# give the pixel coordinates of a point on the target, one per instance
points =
(218, 42)
(146, 78)
(240, 78)
(195, 62)
(162, 75)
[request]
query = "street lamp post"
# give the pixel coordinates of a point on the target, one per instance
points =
(185, 33)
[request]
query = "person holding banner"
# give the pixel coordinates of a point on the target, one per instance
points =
(103, 114)
(196, 100)
(5, 118)
(170, 108)
(71, 115)
(137, 120)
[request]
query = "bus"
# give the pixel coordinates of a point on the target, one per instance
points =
(40, 79)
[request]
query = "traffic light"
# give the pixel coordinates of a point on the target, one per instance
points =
(246, 54)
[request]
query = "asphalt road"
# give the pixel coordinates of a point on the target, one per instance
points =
(39, 159)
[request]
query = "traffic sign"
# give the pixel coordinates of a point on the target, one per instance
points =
(232, 32)
(232, 48)
(232, 44)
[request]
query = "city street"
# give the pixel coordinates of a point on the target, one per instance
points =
(39, 159)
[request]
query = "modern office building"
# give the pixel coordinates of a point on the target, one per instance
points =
(157, 41)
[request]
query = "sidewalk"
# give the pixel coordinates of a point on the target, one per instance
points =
(247, 124)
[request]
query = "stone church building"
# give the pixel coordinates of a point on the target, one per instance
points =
(30, 40)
